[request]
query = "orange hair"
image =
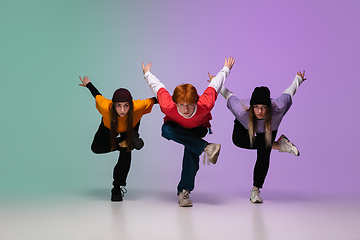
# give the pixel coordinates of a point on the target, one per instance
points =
(185, 93)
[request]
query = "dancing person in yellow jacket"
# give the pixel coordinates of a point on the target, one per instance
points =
(118, 130)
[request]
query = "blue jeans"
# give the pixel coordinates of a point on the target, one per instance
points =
(194, 146)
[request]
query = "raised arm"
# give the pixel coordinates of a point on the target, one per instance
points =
(226, 93)
(217, 81)
(85, 82)
(299, 79)
(150, 78)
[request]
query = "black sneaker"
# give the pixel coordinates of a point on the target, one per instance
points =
(137, 142)
(117, 193)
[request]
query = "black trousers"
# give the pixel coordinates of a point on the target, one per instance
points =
(101, 144)
(241, 139)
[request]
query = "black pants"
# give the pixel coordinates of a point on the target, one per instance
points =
(241, 139)
(101, 144)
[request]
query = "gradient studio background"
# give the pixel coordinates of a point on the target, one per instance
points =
(48, 121)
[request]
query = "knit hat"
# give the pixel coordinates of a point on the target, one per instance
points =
(122, 95)
(261, 95)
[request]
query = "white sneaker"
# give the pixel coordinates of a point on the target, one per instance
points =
(212, 151)
(184, 199)
(255, 196)
(287, 146)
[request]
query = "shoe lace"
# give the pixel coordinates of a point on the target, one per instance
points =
(186, 195)
(122, 191)
(204, 159)
(255, 193)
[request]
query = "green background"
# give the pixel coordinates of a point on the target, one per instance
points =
(47, 120)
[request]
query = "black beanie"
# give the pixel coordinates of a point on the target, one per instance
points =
(122, 95)
(261, 95)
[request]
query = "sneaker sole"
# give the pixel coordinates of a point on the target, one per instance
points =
(257, 201)
(185, 205)
(116, 199)
(298, 152)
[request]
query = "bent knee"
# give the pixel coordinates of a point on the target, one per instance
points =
(240, 142)
(166, 131)
(96, 149)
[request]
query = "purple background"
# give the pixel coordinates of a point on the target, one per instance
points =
(271, 41)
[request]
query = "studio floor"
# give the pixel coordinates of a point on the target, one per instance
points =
(156, 215)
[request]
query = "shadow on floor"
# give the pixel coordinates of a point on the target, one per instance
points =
(212, 198)
(287, 197)
(104, 194)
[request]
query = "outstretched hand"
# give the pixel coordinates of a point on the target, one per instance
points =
(302, 75)
(210, 77)
(229, 62)
(146, 68)
(84, 81)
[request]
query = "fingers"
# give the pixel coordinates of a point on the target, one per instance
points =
(229, 62)
(147, 65)
(85, 80)
(146, 68)
(82, 82)
(301, 73)
(303, 76)
(210, 77)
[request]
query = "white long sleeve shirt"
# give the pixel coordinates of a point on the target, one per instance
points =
(216, 83)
